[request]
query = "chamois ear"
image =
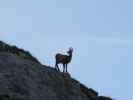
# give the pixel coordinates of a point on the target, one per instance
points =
(71, 49)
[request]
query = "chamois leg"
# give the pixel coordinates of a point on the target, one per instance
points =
(66, 68)
(56, 67)
(63, 68)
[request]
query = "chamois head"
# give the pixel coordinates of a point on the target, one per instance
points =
(70, 50)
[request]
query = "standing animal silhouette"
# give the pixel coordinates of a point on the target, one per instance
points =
(63, 59)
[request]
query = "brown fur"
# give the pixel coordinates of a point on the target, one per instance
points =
(63, 59)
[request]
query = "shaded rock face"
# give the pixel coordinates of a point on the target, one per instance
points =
(103, 98)
(92, 94)
(4, 47)
(22, 79)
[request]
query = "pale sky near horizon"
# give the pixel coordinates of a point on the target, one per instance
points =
(100, 31)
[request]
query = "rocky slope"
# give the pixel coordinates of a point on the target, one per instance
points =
(27, 79)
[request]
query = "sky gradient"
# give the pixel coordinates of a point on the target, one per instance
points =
(100, 31)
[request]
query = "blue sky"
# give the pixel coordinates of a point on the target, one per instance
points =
(100, 31)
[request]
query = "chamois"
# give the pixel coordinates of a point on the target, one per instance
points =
(63, 59)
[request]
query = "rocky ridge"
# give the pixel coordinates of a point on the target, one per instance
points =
(23, 77)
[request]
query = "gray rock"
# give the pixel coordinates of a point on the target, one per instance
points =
(23, 79)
